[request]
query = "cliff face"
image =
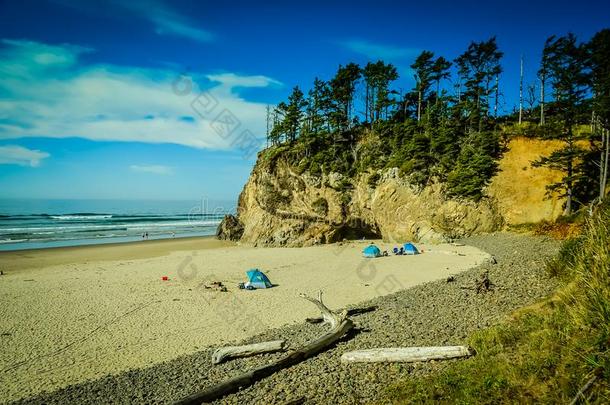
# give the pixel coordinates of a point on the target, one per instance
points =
(279, 207)
(520, 189)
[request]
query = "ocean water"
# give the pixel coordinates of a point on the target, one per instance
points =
(34, 224)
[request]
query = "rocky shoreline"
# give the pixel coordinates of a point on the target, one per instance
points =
(435, 313)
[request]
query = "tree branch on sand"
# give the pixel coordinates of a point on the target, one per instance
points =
(406, 354)
(339, 324)
(231, 352)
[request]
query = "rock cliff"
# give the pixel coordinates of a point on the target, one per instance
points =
(279, 207)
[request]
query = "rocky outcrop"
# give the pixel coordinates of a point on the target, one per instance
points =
(230, 228)
(280, 207)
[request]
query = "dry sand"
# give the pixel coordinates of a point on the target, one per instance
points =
(73, 314)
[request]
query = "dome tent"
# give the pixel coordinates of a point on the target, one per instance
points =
(371, 251)
(410, 249)
(257, 279)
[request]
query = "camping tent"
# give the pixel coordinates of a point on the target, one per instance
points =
(371, 251)
(410, 249)
(257, 279)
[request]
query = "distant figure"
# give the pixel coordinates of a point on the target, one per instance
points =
(173, 234)
(143, 236)
(146, 233)
(401, 251)
(395, 250)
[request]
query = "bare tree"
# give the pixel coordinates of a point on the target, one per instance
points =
(521, 91)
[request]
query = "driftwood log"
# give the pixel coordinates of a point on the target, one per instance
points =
(339, 324)
(406, 354)
(231, 352)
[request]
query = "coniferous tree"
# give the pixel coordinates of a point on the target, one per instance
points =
(543, 73)
(566, 70)
(343, 87)
(599, 60)
(424, 74)
(478, 67)
(318, 106)
(440, 71)
(294, 113)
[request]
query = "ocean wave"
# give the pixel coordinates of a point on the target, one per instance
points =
(134, 226)
(12, 240)
(81, 216)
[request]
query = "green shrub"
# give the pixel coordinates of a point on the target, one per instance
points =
(320, 206)
(373, 179)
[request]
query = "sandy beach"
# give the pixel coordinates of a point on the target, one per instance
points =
(76, 314)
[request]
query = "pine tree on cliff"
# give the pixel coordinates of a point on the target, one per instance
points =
(440, 71)
(478, 67)
(599, 60)
(567, 72)
(543, 73)
(277, 135)
(294, 114)
(318, 107)
(377, 78)
(424, 74)
(343, 87)
(475, 166)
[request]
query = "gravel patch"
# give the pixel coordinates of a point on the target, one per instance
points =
(436, 313)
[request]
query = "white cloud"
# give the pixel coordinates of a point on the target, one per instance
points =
(18, 155)
(378, 51)
(47, 94)
(155, 169)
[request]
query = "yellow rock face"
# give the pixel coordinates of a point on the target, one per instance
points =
(520, 189)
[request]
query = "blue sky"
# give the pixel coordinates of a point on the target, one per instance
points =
(100, 99)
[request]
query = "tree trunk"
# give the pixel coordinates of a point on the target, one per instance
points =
(605, 177)
(570, 170)
(419, 95)
(542, 79)
(366, 104)
(406, 354)
(602, 157)
(230, 352)
(497, 96)
(521, 92)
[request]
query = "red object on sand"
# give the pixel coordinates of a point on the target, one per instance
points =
(164, 278)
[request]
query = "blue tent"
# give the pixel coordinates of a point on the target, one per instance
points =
(371, 251)
(257, 279)
(410, 249)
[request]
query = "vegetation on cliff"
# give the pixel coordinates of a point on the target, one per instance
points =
(448, 128)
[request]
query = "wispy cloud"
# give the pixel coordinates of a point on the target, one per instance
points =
(154, 169)
(165, 19)
(378, 51)
(47, 92)
(18, 155)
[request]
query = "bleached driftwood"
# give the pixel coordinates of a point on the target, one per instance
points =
(231, 352)
(406, 354)
(339, 324)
